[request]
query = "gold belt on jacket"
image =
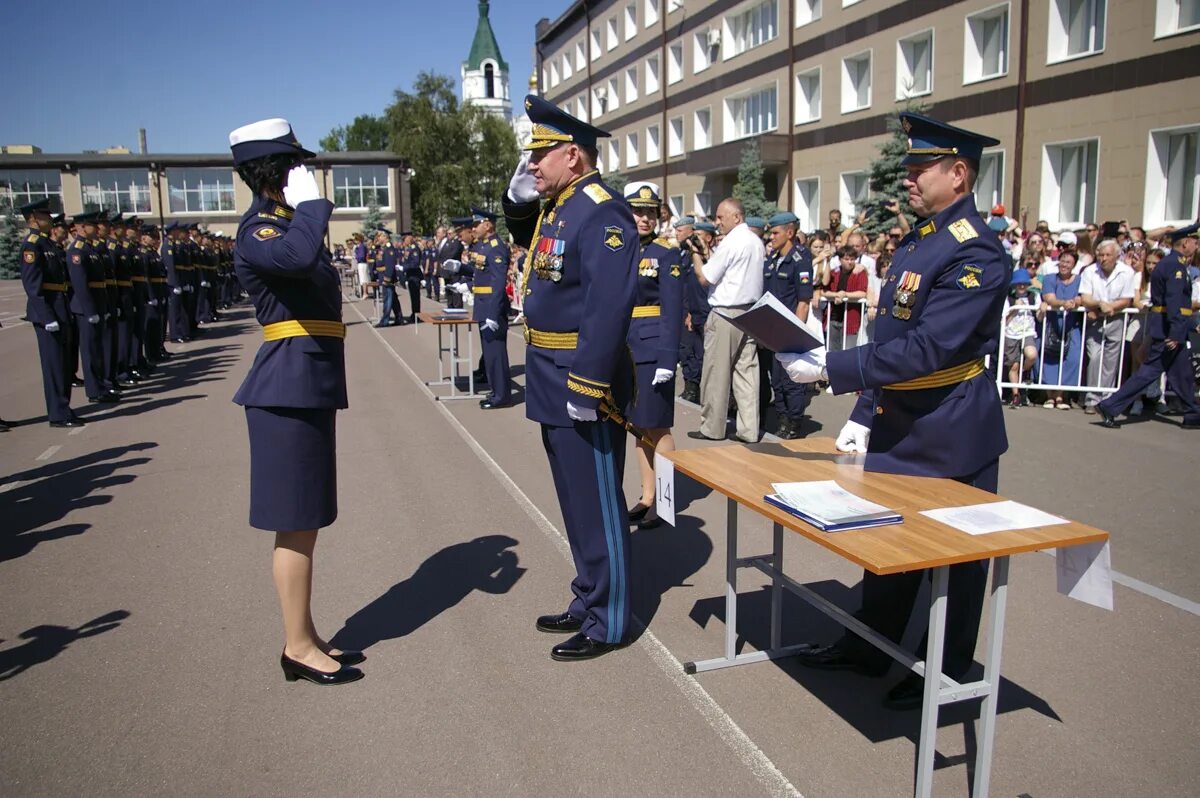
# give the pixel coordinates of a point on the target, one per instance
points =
(551, 340)
(646, 311)
(125, 283)
(54, 286)
(1162, 309)
(157, 279)
(941, 378)
(318, 328)
(96, 284)
(481, 289)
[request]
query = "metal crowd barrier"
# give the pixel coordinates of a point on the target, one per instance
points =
(846, 340)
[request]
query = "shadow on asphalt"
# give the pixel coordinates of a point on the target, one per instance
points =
(46, 642)
(486, 563)
(50, 493)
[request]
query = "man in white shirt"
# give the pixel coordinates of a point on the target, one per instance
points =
(733, 276)
(1106, 287)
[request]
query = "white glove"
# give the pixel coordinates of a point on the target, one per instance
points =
(491, 324)
(805, 367)
(107, 316)
(301, 187)
(661, 376)
(151, 302)
(52, 327)
(523, 186)
(853, 437)
(422, 283)
(93, 319)
(189, 288)
(204, 284)
(176, 290)
(463, 289)
(580, 413)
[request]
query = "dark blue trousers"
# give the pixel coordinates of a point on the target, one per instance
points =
(587, 461)
(56, 379)
(1178, 366)
(180, 328)
(691, 352)
(126, 358)
(391, 306)
(791, 398)
(414, 297)
(495, 360)
(91, 352)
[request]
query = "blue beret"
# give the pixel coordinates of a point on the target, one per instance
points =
(267, 137)
(41, 206)
(756, 222)
(707, 227)
(931, 140)
(997, 224)
(479, 215)
(783, 217)
(553, 126)
(1191, 231)
(685, 221)
(1020, 277)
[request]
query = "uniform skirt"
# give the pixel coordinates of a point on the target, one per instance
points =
(653, 405)
(293, 468)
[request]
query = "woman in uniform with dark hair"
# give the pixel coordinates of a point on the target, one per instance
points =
(297, 382)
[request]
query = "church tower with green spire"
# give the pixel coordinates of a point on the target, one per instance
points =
(485, 72)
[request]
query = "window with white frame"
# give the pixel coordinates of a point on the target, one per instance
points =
(614, 94)
(751, 114)
(630, 21)
(566, 67)
(1176, 16)
(650, 13)
(201, 190)
(675, 62)
(651, 74)
(614, 155)
(631, 84)
(580, 55)
(652, 143)
(22, 186)
(596, 48)
(808, 203)
(856, 82)
(613, 38)
(632, 150)
(545, 82)
(356, 187)
(581, 107)
(1069, 183)
(914, 65)
(846, 3)
(1076, 29)
(675, 136)
(853, 192)
(704, 44)
(675, 203)
(989, 186)
(1172, 177)
(807, 11)
(124, 190)
(702, 129)
(553, 74)
(599, 101)
(808, 96)
(750, 28)
(701, 204)
(674, 5)
(985, 45)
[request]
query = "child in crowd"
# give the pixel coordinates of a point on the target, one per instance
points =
(1020, 333)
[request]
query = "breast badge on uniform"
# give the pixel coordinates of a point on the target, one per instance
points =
(906, 295)
(675, 270)
(648, 267)
(30, 256)
(614, 238)
(968, 276)
(962, 231)
(266, 233)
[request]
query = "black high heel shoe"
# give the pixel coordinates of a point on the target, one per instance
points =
(638, 514)
(349, 657)
(293, 671)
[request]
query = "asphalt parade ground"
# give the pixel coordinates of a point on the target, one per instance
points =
(140, 634)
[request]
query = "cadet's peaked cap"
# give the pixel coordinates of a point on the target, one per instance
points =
(757, 222)
(84, 218)
(148, 229)
(268, 137)
(707, 227)
(931, 140)
(1191, 231)
(172, 226)
(462, 221)
(685, 221)
(41, 206)
(480, 214)
(781, 218)
(553, 126)
(642, 195)
(59, 219)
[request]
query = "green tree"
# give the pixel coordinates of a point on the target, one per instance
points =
(366, 133)
(749, 187)
(616, 181)
(887, 175)
(373, 220)
(11, 236)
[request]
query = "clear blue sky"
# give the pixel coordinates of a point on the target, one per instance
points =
(89, 75)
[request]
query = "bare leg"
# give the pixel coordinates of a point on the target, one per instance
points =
(663, 442)
(291, 566)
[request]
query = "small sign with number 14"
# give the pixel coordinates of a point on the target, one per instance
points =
(664, 488)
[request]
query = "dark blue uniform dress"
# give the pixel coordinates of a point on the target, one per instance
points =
(929, 404)
(489, 260)
(89, 300)
(44, 277)
(579, 287)
(386, 261)
(695, 305)
(1170, 319)
(654, 333)
(790, 279)
(298, 379)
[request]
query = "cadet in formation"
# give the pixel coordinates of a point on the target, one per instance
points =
(89, 307)
(788, 275)
(489, 259)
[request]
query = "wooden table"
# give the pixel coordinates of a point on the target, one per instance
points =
(743, 474)
(453, 321)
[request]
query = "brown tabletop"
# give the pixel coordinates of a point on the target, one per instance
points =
(443, 318)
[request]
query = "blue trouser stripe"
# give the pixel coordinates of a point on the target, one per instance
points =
(598, 455)
(608, 504)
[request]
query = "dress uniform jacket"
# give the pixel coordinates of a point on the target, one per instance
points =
(44, 278)
(89, 293)
(789, 277)
(930, 406)
(654, 332)
(1170, 300)
(489, 261)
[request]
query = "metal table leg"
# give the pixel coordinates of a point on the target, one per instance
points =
(933, 671)
(731, 569)
(991, 675)
(777, 586)
(441, 350)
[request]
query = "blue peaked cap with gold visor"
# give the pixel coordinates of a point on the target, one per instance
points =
(931, 140)
(553, 126)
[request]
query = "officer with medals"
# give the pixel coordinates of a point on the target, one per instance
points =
(788, 275)
(297, 382)
(927, 407)
(1168, 326)
(89, 304)
(488, 258)
(386, 274)
(579, 288)
(654, 329)
(44, 278)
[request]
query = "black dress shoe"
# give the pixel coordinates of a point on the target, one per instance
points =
(581, 647)
(565, 623)
(1107, 421)
(834, 657)
(76, 382)
(638, 514)
(650, 523)
(908, 694)
(70, 422)
(349, 657)
(697, 435)
(293, 671)
(488, 404)
(105, 398)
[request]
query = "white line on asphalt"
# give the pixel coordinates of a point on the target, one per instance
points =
(726, 727)
(46, 455)
(77, 430)
(7, 486)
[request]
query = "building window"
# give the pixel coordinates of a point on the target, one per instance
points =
(566, 67)
(751, 114)
(124, 190)
(631, 84)
(1176, 16)
(650, 13)
(808, 96)
(22, 186)
(985, 49)
(614, 155)
(596, 48)
(853, 192)
(652, 74)
(1172, 177)
(1069, 183)
(702, 129)
(599, 101)
(807, 11)
(581, 107)
(675, 203)
(613, 38)
(632, 150)
(847, 3)
(675, 63)
(808, 203)
(674, 5)
(914, 65)
(356, 187)
(630, 21)
(652, 138)
(856, 82)
(752, 27)
(675, 137)
(580, 56)
(704, 45)
(989, 187)
(201, 190)
(489, 79)
(1076, 29)
(701, 204)
(614, 94)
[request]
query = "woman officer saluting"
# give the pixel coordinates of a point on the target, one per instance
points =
(297, 382)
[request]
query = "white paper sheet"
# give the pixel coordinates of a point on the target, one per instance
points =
(1085, 573)
(983, 519)
(664, 488)
(827, 501)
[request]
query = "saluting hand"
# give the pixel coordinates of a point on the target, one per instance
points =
(301, 187)
(523, 186)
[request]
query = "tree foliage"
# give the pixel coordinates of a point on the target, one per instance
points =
(373, 219)
(10, 245)
(886, 176)
(749, 188)
(616, 181)
(366, 133)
